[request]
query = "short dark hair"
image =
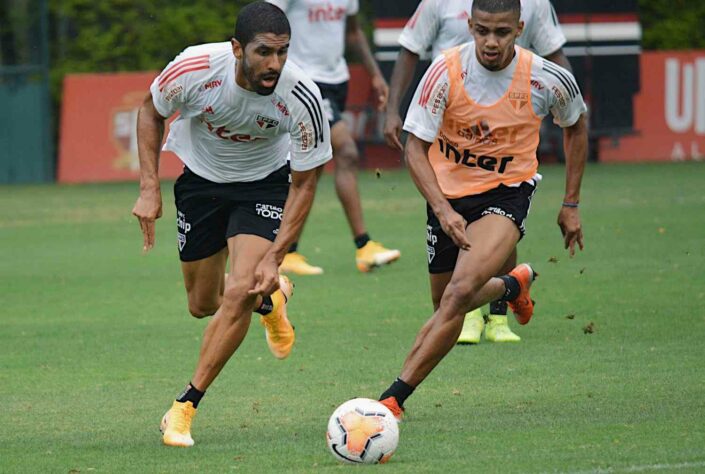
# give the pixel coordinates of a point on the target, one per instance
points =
(260, 17)
(497, 6)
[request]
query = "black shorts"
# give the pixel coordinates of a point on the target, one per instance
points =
(334, 98)
(511, 202)
(208, 213)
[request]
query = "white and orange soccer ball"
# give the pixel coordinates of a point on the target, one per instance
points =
(362, 431)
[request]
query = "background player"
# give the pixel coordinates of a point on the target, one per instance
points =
(321, 31)
(242, 112)
(441, 24)
(473, 133)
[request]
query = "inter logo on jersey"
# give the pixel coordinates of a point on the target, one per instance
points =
(265, 123)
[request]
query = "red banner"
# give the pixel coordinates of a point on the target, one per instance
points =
(98, 128)
(669, 112)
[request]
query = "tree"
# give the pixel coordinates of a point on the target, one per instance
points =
(673, 24)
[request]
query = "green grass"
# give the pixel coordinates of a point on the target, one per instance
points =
(95, 340)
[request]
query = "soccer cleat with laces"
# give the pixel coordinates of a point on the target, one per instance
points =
(472, 327)
(296, 263)
(397, 411)
(278, 330)
(497, 330)
(176, 425)
(523, 305)
(373, 254)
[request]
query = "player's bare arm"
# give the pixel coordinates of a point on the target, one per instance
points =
(425, 179)
(298, 205)
(148, 208)
(575, 139)
(356, 40)
(401, 78)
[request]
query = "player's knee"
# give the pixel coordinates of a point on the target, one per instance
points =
(236, 295)
(347, 157)
(200, 310)
(457, 296)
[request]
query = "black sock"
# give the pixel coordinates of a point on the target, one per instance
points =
(498, 308)
(512, 288)
(191, 394)
(361, 240)
(399, 390)
(294, 247)
(266, 307)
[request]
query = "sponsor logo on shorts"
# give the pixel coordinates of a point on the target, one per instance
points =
(431, 252)
(268, 211)
(265, 123)
(498, 211)
(184, 228)
(432, 239)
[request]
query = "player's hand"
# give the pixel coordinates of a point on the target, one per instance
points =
(147, 210)
(392, 129)
(571, 228)
(454, 225)
(380, 89)
(266, 277)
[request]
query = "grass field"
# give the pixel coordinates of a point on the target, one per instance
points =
(95, 340)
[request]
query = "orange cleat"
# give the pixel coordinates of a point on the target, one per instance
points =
(374, 255)
(523, 305)
(278, 330)
(176, 425)
(397, 411)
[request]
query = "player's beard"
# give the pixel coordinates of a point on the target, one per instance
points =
(254, 80)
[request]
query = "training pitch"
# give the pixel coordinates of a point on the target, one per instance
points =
(96, 341)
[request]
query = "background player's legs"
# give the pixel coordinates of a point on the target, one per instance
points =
(295, 262)
(471, 285)
(439, 281)
(228, 327)
(497, 328)
(205, 284)
(347, 158)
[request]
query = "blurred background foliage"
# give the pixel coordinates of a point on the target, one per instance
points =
(129, 35)
(673, 24)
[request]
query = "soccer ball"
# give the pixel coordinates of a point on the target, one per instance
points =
(362, 431)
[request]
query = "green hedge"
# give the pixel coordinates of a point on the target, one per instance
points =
(127, 35)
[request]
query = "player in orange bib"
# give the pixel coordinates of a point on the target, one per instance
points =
(473, 133)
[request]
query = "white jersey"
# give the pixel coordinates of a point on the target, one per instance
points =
(553, 90)
(228, 134)
(442, 24)
(318, 36)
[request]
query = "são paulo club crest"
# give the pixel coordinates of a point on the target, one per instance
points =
(265, 123)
